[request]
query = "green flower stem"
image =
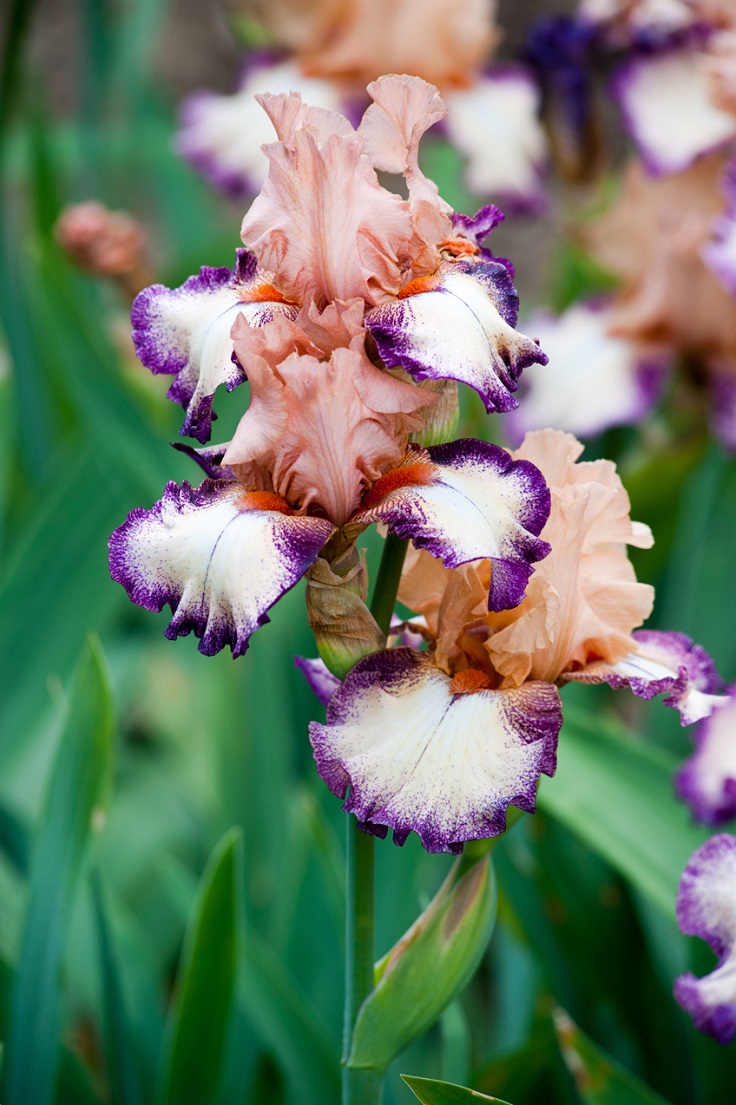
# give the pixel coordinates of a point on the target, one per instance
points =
(362, 1086)
(387, 584)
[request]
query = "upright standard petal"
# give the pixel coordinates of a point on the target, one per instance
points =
(323, 222)
(583, 600)
(185, 332)
(218, 555)
(669, 111)
(661, 663)
(706, 907)
(707, 781)
(463, 501)
(458, 325)
(422, 753)
(495, 124)
(222, 135)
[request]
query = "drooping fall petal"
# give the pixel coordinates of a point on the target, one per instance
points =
(218, 555)
(420, 754)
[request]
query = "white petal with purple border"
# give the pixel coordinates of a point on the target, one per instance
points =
(664, 98)
(417, 757)
(217, 559)
(663, 663)
(706, 907)
(185, 331)
(470, 503)
(461, 329)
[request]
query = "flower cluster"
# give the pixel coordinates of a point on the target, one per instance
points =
(352, 314)
(670, 236)
(442, 741)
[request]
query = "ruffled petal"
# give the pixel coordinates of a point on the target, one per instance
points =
(463, 501)
(420, 757)
(593, 380)
(458, 325)
(218, 555)
(322, 221)
(668, 109)
(707, 781)
(662, 663)
(706, 907)
(495, 124)
(185, 332)
(222, 135)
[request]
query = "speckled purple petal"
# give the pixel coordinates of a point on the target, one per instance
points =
(479, 504)
(707, 781)
(592, 381)
(461, 330)
(706, 907)
(185, 332)
(419, 758)
(216, 560)
(664, 663)
(477, 227)
(319, 677)
(667, 108)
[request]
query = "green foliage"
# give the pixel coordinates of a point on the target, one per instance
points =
(427, 968)
(78, 792)
(598, 1079)
(431, 1092)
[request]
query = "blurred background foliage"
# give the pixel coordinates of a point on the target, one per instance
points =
(171, 867)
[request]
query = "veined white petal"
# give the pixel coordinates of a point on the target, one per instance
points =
(470, 502)
(461, 329)
(663, 663)
(216, 556)
(707, 781)
(419, 757)
(185, 331)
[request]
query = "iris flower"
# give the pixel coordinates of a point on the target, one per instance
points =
(442, 741)
(706, 907)
(352, 314)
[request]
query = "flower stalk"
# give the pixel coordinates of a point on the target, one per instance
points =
(362, 1086)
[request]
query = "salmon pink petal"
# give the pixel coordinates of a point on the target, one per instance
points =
(459, 326)
(403, 109)
(323, 222)
(222, 135)
(421, 756)
(218, 556)
(668, 109)
(464, 501)
(707, 781)
(706, 907)
(325, 429)
(661, 663)
(185, 332)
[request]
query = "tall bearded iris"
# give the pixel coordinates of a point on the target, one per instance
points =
(353, 313)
